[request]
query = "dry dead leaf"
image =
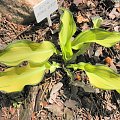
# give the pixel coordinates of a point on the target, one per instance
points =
(90, 3)
(86, 87)
(118, 64)
(77, 76)
(81, 19)
(53, 97)
(112, 66)
(54, 92)
(43, 103)
(98, 52)
(59, 102)
(110, 62)
(30, 2)
(77, 2)
(12, 110)
(55, 109)
(91, 50)
(56, 88)
(33, 117)
(117, 46)
(70, 103)
(116, 28)
(68, 114)
(114, 14)
(117, 6)
(118, 9)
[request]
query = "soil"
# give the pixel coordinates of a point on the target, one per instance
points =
(69, 102)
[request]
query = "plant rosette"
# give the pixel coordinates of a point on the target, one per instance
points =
(38, 54)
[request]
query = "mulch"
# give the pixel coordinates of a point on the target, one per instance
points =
(54, 98)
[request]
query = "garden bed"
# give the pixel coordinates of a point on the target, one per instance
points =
(69, 102)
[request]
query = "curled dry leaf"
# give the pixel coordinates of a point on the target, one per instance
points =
(56, 88)
(53, 98)
(54, 93)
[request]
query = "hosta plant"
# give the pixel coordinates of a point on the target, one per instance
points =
(38, 54)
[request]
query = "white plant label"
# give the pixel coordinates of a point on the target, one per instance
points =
(44, 9)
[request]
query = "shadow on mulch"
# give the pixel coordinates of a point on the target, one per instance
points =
(8, 99)
(102, 104)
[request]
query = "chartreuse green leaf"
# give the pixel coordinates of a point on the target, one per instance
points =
(97, 22)
(81, 50)
(52, 67)
(23, 50)
(15, 78)
(100, 76)
(99, 36)
(68, 28)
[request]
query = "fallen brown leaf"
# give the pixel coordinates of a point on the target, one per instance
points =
(98, 52)
(12, 110)
(114, 14)
(70, 104)
(43, 103)
(116, 28)
(55, 109)
(112, 66)
(81, 19)
(77, 2)
(56, 88)
(54, 92)
(117, 46)
(117, 5)
(68, 114)
(108, 60)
